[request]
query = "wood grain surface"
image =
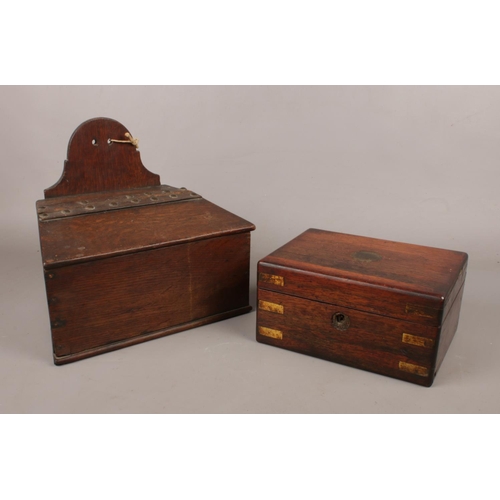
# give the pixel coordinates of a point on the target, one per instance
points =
(102, 302)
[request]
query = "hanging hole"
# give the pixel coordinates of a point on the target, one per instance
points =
(154, 198)
(94, 142)
(113, 204)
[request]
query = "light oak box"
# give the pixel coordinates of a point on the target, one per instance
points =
(387, 307)
(127, 259)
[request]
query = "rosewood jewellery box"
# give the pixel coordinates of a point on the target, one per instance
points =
(390, 308)
(127, 259)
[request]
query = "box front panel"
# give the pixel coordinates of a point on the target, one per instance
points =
(388, 346)
(107, 301)
(373, 299)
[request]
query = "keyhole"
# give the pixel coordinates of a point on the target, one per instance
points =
(341, 321)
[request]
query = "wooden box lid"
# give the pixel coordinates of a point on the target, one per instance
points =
(106, 203)
(406, 281)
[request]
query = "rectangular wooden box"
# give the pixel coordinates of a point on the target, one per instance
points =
(128, 260)
(387, 307)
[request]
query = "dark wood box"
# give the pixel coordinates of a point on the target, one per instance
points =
(127, 259)
(391, 308)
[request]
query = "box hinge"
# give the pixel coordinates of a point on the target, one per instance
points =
(69, 206)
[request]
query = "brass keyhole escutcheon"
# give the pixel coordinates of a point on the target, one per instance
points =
(341, 321)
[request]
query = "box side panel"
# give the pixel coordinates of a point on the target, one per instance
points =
(99, 303)
(457, 288)
(385, 301)
(449, 328)
(363, 340)
(219, 270)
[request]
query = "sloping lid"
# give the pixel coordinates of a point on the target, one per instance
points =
(103, 225)
(393, 279)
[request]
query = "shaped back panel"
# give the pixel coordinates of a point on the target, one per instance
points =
(95, 163)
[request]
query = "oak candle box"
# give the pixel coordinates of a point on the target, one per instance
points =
(387, 307)
(127, 259)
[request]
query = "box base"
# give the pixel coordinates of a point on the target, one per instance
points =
(62, 360)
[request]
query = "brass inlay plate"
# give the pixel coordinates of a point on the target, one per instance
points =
(365, 256)
(269, 332)
(425, 312)
(272, 278)
(271, 307)
(415, 369)
(414, 340)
